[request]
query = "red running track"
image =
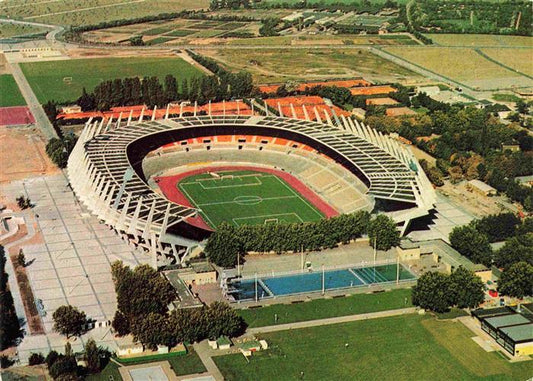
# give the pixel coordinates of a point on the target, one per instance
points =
(169, 187)
(10, 116)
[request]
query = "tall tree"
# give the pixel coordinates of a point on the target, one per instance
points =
(171, 88)
(432, 292)
(9, 324)
(517, 280)
(382, 232)
(466, 288)
(92, 356)
(472, 244)
(69, 321)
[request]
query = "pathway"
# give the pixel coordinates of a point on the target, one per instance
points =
(41, 120)
(202, 349)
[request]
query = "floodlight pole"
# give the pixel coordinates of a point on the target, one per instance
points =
(256, 287)
(323, 281)
(397, 268)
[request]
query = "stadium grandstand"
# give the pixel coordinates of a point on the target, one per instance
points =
(116, 163)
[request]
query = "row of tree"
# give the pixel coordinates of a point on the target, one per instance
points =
(143, 296)
(10, 330)
(438, 292)
(59, 149)
(228, 242)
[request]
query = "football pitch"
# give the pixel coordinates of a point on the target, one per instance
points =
(246, 198)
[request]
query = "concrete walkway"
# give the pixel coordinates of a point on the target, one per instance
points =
(203, 351)
(334, 320)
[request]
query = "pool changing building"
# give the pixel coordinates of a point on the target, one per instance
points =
(512, 330)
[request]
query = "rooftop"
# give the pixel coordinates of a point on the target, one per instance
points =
(522, 332)
(506, 320)
(481, 186)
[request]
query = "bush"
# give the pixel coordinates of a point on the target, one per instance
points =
(36, 359)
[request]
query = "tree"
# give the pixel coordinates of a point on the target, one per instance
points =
(467, 289)
(223, 320)
(92, 356)
(23, 202)
(136, 40)
(10, 330)
(497, 227)
(515, 249)
(472, 244)
(382, 232)
(121, 324)
(21, 259)
(152, 330)
(36, 359)
(269, 27)
(432, 292)
(171, 88)
(223, 247)
(517, 280)
(69, 321)
(86, 101)
(64, 365)
(50, 110)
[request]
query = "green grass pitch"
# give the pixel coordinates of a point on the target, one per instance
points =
(46, 78)
(246, 198)
(407, 347)
(9, 92)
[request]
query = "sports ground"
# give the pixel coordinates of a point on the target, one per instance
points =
(9, 92)
(242, 196)
(63, 81)
(408, 347)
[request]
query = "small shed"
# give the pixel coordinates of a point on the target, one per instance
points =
(129, 349)
(212, 343)
(223, 342)
(481, 188)
(408, 250)
(162, 349)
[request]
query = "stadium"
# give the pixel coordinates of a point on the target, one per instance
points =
(165, 184)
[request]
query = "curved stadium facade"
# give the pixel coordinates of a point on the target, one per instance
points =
(113, 166)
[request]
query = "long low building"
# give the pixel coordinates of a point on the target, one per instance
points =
(106, 169)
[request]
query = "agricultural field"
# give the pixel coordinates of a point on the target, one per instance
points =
(464, 65)
(63, 81)
(87, 12)
(517, 59)
(175, 31)
(479, 40)
(275, 66)
(9, 92)
(247, 198)
(12, 30)
(408, 347)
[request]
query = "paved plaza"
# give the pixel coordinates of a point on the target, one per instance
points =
(72, 264)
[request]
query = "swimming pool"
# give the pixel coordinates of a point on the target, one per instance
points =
(245, 289)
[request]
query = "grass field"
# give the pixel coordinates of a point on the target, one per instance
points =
(274, 66)
(10, 30)
(327, 308)
(408, 347)
(480, 40)
(501, 97)
(518, 59)
(9, 92)
(247, 198)
(46, 78)
(84, 12)
(464, 65)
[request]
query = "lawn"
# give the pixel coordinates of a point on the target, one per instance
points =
(274, 66)
(480, 40)
(327, 308)
(10, 30)
(9, 92)
(47, 78)
(503, 97)
(246, 198)
(517, 59)
(111, 370)
(408, 347)
(464, 65)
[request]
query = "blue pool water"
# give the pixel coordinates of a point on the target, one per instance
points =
(312, 282)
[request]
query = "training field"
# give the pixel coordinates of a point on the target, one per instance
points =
(408, 347)
(246, 198)
(480, 40)
(275, 66)
(467, 66)
(9, 92)
(63, 81)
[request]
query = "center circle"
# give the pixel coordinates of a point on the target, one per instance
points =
(247, 200)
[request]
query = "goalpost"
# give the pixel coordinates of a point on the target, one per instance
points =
(271, 221)
(67, 80)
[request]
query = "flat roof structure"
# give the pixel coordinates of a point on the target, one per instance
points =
(519, 333)
(506, 320)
